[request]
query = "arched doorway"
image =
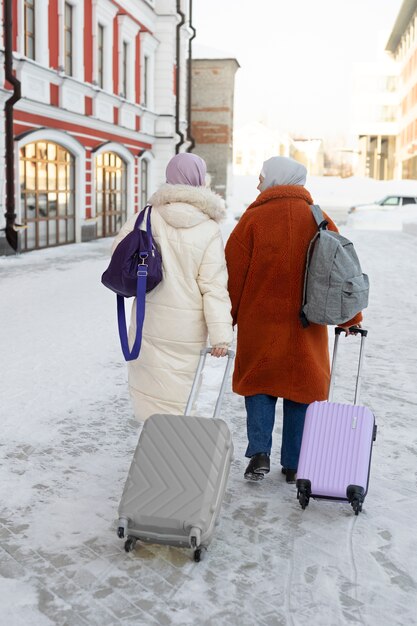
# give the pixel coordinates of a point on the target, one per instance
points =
(110, 193)
(47, 195)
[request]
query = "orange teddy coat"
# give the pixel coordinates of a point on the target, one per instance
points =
(266, 255)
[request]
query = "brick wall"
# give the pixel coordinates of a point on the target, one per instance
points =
(212, 116)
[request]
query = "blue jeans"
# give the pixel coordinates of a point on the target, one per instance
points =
(260, 422)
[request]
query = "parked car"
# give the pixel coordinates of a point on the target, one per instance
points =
(387, 214)
(388, 201)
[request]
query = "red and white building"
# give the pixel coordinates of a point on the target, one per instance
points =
(98, 116)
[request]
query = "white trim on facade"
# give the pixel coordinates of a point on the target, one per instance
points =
(41, 31)
(104, 13)
(148, 48)
(146, 14)
(128, 30)
(78, 152)
(77, 37)
(95, 126)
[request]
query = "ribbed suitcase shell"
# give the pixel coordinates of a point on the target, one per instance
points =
(177, 479)
(336, 448)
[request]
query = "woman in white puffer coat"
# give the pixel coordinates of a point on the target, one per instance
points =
(191, 302)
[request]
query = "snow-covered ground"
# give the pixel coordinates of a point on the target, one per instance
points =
(67, 438)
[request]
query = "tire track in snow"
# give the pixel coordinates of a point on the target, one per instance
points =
(354, 567)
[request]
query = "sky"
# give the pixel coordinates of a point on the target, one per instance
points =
(296, 56)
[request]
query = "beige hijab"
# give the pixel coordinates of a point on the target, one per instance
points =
(282, 171)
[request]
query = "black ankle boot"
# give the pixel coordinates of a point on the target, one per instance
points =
(259, 465)
(290, 474)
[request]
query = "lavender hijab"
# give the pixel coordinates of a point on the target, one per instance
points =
(186, 169)
(282, 171)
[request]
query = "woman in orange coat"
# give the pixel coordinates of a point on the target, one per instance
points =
(276, 356)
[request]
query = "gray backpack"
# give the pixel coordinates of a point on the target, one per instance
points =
(335, 289)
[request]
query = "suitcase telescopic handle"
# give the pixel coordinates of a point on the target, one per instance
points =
(353, 329)
(363, 333)
(194, 389)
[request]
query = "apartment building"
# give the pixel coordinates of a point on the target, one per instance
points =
(375, 110)
(402, 45)
(99, 116)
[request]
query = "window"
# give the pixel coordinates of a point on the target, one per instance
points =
(110, 193)
(68, 38)
(144, 167)
(409, 201)
(124, 69)
(29, 18)
(391, 201)
(47, 195)
(145, 81)
(391, 83)
(100, 56)
(387, 113)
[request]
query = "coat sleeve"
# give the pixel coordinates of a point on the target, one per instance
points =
(212, 282)
(358, 317)
(238, 260)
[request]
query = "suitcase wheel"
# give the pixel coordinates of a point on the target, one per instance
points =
(120, 532)
(198, 554)
(303, 492)
(130, 544)
(356, 495)
(303, 500)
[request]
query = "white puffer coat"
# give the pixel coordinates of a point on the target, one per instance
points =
(191, 301)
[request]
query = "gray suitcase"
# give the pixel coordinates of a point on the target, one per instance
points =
(177, 479)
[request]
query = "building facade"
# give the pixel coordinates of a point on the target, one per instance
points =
(402, 45)
(255, 143)
(98, 116)
(212, 100)
(375, 117)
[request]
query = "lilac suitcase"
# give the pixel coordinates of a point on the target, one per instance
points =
(336, 448)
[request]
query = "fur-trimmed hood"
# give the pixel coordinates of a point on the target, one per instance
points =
(184, 206)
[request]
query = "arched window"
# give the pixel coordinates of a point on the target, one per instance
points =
(47, 195)
(110, 193)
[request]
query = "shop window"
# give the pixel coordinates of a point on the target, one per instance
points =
(110, 193)
(47, 195)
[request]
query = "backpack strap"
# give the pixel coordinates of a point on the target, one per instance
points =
(303, 317)
(321, 221)
(322, 224)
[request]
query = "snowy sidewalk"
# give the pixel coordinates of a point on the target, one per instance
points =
(67, 437)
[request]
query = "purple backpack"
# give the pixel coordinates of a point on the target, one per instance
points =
(135, 268)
